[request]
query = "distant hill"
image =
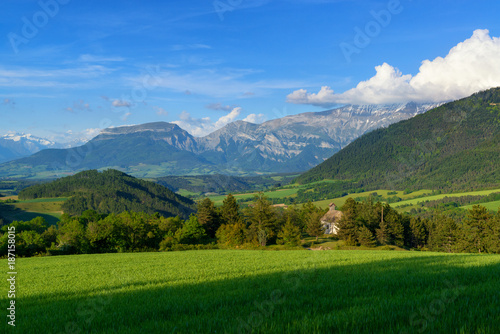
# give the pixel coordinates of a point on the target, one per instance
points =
(455, 146)
(289, 144)
(111, 191)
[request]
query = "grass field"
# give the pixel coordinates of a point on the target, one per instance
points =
(48, 208)
(279, 193)
(257, 292)
(385, 193)
(441, 196)
(494, 206)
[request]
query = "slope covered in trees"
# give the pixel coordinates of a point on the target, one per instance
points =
(111, 191)
(455, 146)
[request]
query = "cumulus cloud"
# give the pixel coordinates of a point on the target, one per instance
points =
(121, 103)
(255, 118)
(469, 67)
(203, 126)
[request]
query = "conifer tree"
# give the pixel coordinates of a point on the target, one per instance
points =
(418, 232)
(314, 226)
(208, 217)
(347, 226)
(263, 221)
(230, 211)
(289, 234)
(477, 229)
(365, 237)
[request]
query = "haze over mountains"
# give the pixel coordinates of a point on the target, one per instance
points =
(290, 144)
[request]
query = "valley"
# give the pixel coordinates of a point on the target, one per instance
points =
(250, 167)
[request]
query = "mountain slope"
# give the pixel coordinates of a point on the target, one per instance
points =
(15, 145)
(289, 144)
(454, 146)
(299, 142)
(111, 191)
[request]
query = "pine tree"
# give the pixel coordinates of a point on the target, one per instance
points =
(365, 237)
(230, 211)
(418, 232)
(477, 229)
(443, 235)
(289, 234)
(208, 217)
(263, 220)
(347, 226)
(314, 226)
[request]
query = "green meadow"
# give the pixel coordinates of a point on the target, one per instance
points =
(441, 196)
(235, 291)
(25, 210)
(493, 206)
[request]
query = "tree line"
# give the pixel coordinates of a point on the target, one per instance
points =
(229, 226)
(369, 224)
(260, 224)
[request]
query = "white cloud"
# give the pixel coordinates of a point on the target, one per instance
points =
(471, 66)
(126, 116)
(203, 126)
(121, 103)
(255, 118)
(87, 58)
(160, 111)
(216, 82)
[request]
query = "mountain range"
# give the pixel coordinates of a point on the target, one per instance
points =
(293, 143)
(455, 146)
(18, 145)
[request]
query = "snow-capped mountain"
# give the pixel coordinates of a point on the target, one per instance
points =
(289, 144)
(299, 142)
(18, 145)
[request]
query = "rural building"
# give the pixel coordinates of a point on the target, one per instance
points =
(330, 219)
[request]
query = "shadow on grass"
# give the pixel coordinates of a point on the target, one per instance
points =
(413, 294)
(11, 213)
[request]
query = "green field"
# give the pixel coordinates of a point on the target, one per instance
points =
(257, 292)
(385, 193)
(48, 208)
(494, 206)
(441, 196)
(279, 193)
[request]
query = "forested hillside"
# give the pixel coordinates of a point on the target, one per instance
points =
(455, 146)
(111, 191)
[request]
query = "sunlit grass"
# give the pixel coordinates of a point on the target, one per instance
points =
(258, 292)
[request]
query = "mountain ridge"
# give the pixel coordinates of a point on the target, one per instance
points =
(293, 143)
(453, 146)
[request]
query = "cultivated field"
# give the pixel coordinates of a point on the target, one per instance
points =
(258, 292)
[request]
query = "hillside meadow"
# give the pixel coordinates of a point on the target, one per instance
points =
(236, 291)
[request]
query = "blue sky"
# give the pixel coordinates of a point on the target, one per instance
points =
(70, 68)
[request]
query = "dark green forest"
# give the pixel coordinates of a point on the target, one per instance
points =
(111, 191)
(453, 147)
(224, 183)
(259, 225)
